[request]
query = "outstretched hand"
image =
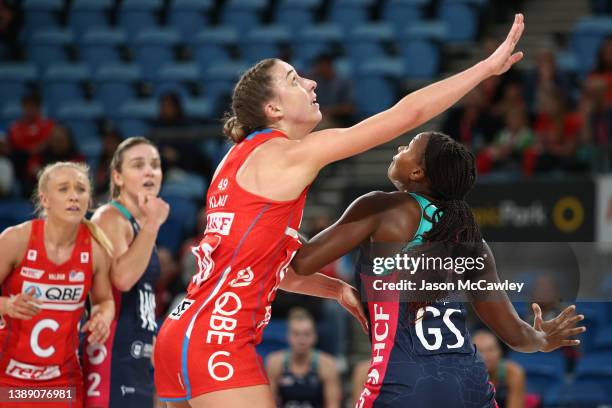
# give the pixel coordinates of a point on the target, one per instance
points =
(350, 300)
(504, 56)
(557, 331)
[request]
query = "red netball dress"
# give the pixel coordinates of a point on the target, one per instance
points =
(208, 342)
(41, 352)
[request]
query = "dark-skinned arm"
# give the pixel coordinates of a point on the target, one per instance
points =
(359, 222)
(501, 317)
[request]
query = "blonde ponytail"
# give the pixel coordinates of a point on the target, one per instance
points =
(100, 237)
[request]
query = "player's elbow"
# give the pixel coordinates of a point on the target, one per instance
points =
(121, 283)
(302, 265)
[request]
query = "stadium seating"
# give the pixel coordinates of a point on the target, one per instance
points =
(49, 46)
(14, 212)
(296, 13)
(181, 220)
(137, 15)
(461, 19)
(420, 47)
(543, 370)
(189, 16)
(85, 14)
(219, 79)
(369, 40)
(153, 48)
(64, 82)
(213, 45)
(101, 45)
(348, 13)
(83, 118)
(274, 337)
(115, 84)
(14, 80)
(41, 14)
(134, 117)
(177, 77)
(316, 39)
(586, 39)
(245, 14)
(374, 84)
(264, 42)
(403, 13)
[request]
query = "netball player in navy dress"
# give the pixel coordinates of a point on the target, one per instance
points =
(422, 354)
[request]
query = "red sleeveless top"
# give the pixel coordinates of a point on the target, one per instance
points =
(44, 348)
(249, 241)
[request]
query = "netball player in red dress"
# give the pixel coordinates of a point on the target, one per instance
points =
(48, 268)
(205, 352)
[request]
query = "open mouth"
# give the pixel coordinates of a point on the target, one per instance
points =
(148, 184)
(314, 101)
(73, 208)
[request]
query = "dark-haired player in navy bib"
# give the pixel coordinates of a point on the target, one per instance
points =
(119, 373)
(422, 354)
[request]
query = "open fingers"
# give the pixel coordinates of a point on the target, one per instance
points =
(570, 343)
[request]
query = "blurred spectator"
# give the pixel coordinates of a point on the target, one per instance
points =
(303, 376)
(28, 135)
(512, 98)
(10, 23)
(471, 123)
(507, 150)
(110, 140)
(493, 87)
(59, 147)
(603, 67)
(597, 125)
(177, 138)
(7, 174)
(507, 376)
(334, 94)
(544, 77)
(557, 131)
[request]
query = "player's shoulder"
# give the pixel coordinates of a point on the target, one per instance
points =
(108, 213)
(17, 233)
(327, 361)
(275, 359)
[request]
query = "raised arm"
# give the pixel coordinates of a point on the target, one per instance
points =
(131, 258)
(501, 317)
(326, 146)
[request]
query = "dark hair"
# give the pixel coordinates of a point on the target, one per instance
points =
(117, 160)
(451, 171)
(600, 67)
(32, 98)
(253, 89)
(175, 100)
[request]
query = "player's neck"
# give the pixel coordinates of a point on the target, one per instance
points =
(131, 204)
(60, 234)
(293, 131)
(301, 358)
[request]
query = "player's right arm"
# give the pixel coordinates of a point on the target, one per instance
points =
(499, 314)
(13, 244)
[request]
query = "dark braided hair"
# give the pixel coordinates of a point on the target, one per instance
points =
(253, 89)
(451, 171)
